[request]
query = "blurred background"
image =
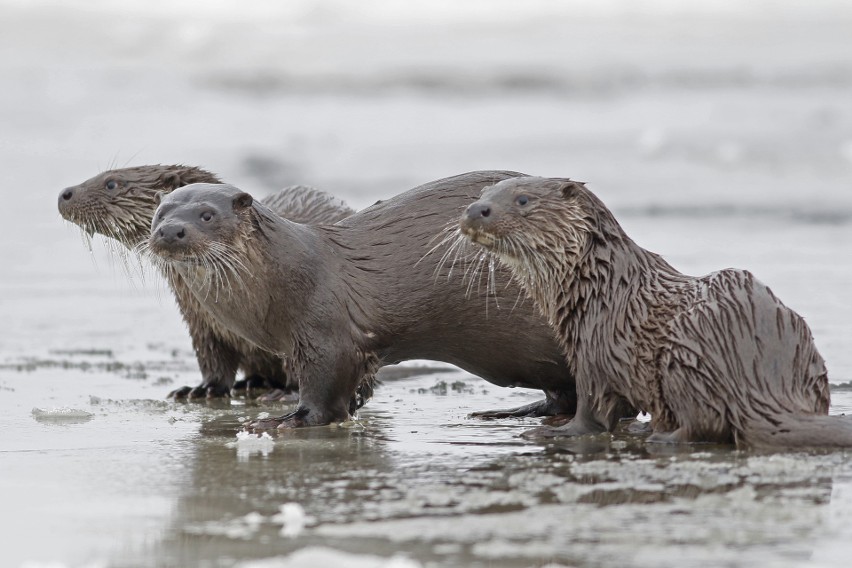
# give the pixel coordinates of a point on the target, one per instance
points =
(720, 132)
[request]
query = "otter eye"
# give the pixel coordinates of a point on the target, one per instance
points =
(206, 216)
(522, 200)
(111, 184)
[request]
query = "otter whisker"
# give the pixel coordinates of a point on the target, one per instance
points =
(450, 238)
(450, 228)
(491, 288)
(221, 280)
(230, 264)
(454, 250)
(208, 281)
(475, 275)
(462, 253)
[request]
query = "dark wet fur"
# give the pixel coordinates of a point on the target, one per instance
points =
(124, 213)
(346, 299)
(716, 358)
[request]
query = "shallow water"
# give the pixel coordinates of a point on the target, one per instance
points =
(733, 149)
(141, 482)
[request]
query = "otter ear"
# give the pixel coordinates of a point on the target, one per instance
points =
(171, 180)
(242, 201)
(158, 197)
(570, 188)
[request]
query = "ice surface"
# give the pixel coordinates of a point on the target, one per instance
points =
(319, 556)
(63, 415)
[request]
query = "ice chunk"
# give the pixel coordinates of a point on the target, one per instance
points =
(248, 443)
(63, 414)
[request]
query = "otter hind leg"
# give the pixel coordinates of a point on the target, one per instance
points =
(554, 404)
(608, 411)
(250, 385)
(264, 371)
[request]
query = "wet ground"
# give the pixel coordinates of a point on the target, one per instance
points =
(130, 480)
(733, 148)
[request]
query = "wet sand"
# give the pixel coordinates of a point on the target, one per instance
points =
(719, 136)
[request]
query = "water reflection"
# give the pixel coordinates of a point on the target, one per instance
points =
(475, 494)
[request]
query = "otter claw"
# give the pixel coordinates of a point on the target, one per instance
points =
(179, 394)
(201, 392)
(294, 419)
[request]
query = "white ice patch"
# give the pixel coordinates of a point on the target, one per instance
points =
(314, 556)
(243, 528)
(248, 444)
(292, 519)
(64, 415)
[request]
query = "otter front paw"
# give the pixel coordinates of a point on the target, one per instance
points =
(295, 419)
(201, 392)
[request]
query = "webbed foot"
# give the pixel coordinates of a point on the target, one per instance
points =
(295, 419)
(201, 392)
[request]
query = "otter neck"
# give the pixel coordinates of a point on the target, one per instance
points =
(264, 296)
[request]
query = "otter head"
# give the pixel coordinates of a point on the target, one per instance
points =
(120, 203)
(202, 224)
(538, 227)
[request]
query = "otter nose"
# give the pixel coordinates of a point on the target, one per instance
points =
(478, 211)
(171, 233)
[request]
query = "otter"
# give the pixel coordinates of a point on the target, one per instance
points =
(119, 204)
(716, 358)
(341, 301)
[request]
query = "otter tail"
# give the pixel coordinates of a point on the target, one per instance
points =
(799, 431)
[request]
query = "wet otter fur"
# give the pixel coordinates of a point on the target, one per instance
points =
(341, 301)
(716, 358)
(119, 204)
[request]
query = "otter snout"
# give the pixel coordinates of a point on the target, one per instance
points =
(478, 210)
(475, 217)
(171, 240)
(170, 233)
(476, 221)
(67, 200)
